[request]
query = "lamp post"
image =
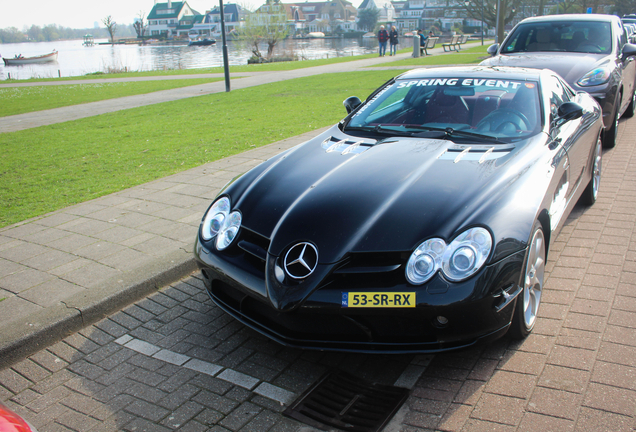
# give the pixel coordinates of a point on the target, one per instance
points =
(226, 66)
(497, 26)
(482, 22)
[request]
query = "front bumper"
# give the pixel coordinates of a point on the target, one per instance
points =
(474, 311)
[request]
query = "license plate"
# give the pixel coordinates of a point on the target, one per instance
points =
(378, 299)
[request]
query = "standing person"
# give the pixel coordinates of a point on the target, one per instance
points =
(393, 40)
(383, 36)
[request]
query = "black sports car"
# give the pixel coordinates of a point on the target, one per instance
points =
(421, 222)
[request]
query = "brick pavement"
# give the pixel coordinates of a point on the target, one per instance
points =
(173, 361)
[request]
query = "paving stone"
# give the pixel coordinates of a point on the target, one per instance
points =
(49, 361)
(499, 409)
(13, 381)
(182, 415)
(278, 394)
(171, 357)
(31, 370)
(240, 416)
(599, 420)
(142, 347)
(555, 403)
(539, 422)
(238, 378)
(146, 410)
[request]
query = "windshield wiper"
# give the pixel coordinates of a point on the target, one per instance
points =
(379, 129)
(448, 132)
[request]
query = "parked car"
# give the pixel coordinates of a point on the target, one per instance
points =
(421, 222)
(11, 422)
(591, 52)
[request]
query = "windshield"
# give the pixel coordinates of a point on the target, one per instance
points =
(467, 109)
(564, 36)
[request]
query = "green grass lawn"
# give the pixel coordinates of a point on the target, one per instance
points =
(51, 167)
(18, 100)
(470, 55)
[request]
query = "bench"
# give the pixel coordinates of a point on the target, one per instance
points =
(462, 40)
(429, 43)
(452, 44)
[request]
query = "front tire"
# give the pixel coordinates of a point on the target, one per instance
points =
(631, 107)
(529, 300)
(609, 138)
(591, 191)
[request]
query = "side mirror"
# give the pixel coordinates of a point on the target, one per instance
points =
(492, 50)
(629, 50)
(351, 103)
(568, 111)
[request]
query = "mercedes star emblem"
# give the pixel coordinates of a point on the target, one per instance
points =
(301, 260)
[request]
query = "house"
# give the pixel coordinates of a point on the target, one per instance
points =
(308, 16)
(386, 10)
(234, 17)
(172, 19)
(409, 14)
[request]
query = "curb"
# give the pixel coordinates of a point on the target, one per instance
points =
(24, 337)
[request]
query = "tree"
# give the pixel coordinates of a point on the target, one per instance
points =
(140, 25)
(368, 18)
(506, 13)
(264, 26)
(111, 27)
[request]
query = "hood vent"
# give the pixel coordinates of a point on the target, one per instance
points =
(333, 144)
(478, 153)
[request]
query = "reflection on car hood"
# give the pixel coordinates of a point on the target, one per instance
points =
(387, 198)
(571, 66)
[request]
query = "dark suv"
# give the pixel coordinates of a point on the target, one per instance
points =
(590, 52)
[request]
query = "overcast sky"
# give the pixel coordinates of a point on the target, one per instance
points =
(84, 14)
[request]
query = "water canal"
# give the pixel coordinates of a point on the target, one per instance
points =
(75, 59)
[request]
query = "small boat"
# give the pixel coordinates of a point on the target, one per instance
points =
(202, 42)
(368, 35)
(20, 60)
(315, 35)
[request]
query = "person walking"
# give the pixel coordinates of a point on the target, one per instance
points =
(393, 40)
(383, 36)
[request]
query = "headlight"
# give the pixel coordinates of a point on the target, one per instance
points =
(425, 261)
(458, 261)
(597, 76)
(228, 231)
(214, 218)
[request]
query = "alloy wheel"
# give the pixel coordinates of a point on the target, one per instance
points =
(533, 285)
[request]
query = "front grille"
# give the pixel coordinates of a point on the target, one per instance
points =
(369, 271)
(348, 403)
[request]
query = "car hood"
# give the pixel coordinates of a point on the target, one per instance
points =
(389, 197)
(571, 66)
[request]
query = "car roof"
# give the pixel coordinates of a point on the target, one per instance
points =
(572, 17)
(492, 72)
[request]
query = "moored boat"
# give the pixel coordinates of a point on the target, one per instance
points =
(202, 42)
(20, 60)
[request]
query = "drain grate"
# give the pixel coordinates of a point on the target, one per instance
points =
(348, 403)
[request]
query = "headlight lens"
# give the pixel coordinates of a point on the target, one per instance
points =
(228, 231)
(594, 77)
(458, 261)
(214, 218)
(425, 261)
